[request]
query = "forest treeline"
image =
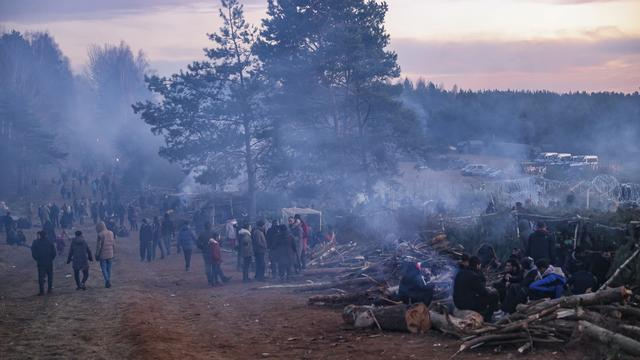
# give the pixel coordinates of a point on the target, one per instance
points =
(310, 102)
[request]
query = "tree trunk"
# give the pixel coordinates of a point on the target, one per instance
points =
(610, 338)
(251, 172)
(409, 318)
(601, 297)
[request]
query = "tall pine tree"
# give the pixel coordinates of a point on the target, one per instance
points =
(211, 115)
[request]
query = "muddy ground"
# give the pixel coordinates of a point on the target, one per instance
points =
(158, 311)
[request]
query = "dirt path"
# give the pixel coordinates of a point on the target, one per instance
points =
(158, 311)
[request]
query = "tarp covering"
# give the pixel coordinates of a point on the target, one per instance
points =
(287, 212)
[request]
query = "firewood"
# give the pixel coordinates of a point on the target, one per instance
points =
(610, 338)
(631, 331)
(601, 297)
(409, 318)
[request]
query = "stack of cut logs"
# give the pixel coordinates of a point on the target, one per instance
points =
(609, 316)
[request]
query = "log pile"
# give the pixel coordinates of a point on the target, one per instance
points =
(609, 317)
(606, 316)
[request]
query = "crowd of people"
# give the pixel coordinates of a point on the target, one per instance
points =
(264, 249)
(530, 274)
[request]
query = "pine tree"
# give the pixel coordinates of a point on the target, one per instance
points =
(211, 115)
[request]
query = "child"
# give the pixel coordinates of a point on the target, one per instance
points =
(60, 242)
(216, 260)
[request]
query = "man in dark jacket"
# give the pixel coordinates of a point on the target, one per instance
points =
(50, 229)
(272, 235)
(80, 254)
(284, 252)
(43, 252)
(470, 291)
(54, 215)
(414, 287)
(259, 249)
(542, 244)
(146, 240)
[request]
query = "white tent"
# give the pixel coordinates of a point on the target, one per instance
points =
(287, 212)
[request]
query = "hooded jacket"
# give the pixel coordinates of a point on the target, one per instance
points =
(246, 243)
(79, 253)
(186, 238)
(106, 244)
(259, 242)
(43, 252)
(552, 282)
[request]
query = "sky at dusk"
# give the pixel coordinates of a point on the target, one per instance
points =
(558, 45)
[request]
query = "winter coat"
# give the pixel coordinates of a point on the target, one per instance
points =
(50, 229)
(43, 252)
(551, 284)
(79, 253)
(246, 243)
(204, 240)
(271, 236)
(468, 288)
(581, 281)
(216, 255)
(259, 242)
(186, 238)
(414, 287)
(284, 251)
(305, 234)
(146, 233)
(167, 227)
(298, 238)
(106, 244)
(542, 245)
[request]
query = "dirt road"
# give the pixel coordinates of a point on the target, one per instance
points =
(158, 311)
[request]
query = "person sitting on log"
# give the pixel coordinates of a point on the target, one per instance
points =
(414, 286)
(552, 283)
(470, 291)
(582, 280)
(519, 293)
(512, 275)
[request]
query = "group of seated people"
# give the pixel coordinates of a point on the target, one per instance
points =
(522, 280)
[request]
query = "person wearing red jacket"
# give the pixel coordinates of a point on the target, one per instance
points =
(216, 260)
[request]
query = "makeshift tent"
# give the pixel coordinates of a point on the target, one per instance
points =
(304, 212)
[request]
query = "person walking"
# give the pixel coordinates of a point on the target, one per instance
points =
(204, 246)
(186, 241)
(246, 250)
(259, 243)
(216, 261)
(146, 240)
(43, 252)
(105, 249)
(167, 232)
(157, 238)
(80, 254)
